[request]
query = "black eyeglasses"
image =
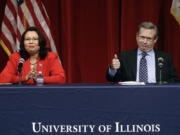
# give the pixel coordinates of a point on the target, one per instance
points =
(149, 39)
(32, 39)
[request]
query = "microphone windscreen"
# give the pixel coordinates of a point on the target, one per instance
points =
(160, 62)
(21, 60)
(160, 59)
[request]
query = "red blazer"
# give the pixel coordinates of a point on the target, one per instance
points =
(51, 68)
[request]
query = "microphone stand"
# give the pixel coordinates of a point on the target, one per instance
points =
(160, 74)
(19, 69)
(20, 78)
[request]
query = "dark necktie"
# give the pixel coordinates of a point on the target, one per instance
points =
(143, 76)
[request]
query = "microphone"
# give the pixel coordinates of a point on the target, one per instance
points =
(21, 62)
(160, 64)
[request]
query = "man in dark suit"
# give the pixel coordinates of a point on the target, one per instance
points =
(144, 64)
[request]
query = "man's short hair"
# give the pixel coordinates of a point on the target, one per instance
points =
(148, 25)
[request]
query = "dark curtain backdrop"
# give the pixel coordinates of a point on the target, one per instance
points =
(89, 32)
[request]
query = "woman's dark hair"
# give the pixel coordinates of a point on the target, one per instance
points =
(42, 44)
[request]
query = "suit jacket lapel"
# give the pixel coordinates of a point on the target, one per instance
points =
(134, 64)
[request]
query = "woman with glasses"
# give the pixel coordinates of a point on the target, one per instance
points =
(34, 58)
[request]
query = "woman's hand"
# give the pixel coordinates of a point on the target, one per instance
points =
(31, 75)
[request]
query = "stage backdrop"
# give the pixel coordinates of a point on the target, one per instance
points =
(89, 32)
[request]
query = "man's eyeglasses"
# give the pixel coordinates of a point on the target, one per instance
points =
(149, 39)
(31, 39)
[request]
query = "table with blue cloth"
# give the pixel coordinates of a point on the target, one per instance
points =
(90, 109)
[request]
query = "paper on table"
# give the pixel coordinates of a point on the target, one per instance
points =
(5, 83)
(131, 83)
